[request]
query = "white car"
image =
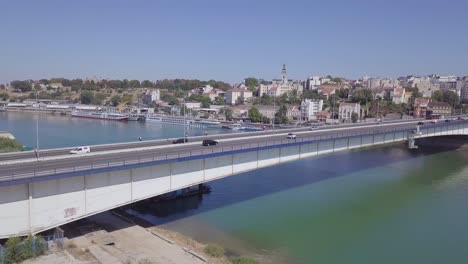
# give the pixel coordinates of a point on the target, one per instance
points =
(291, 136)
(80, 150)
(434, 121)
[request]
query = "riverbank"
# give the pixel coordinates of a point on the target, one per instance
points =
(115, 237)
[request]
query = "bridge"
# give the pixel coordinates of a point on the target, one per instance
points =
(37, 194)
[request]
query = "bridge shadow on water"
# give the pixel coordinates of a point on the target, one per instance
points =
(266, 181)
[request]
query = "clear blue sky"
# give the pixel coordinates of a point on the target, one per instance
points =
(230, 40)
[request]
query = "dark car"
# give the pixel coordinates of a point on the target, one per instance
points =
(447, 120)
(209, 142)
(180, 140)
(420, 123)
(460, 118)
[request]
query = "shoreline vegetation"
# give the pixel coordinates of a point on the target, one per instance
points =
(9, 145)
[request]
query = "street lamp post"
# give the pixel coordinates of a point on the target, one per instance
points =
(37, 127)
(274, 111)
(185, 122)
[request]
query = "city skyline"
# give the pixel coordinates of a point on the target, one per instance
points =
(231, 41)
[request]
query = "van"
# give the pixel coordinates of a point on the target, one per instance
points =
(80, 150)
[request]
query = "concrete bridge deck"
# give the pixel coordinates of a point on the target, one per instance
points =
(39, 195)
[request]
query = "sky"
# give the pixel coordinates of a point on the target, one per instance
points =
(230, 40)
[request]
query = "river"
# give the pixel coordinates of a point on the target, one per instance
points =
(378, 205)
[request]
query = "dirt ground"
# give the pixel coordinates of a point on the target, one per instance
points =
(106, 238)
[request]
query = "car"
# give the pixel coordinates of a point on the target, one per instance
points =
(420, 123)
(434, 121)
(291, 136)
(460, 118)
(209, 142)
(80, 150)
(180, 140)
(447, 120)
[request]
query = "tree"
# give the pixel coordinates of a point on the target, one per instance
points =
(228, 113)
(438, 96)
(134, 84)
(147, 84)
(98, 98)
(23, 86)
(281, 116)
(337, 80)
(354, 117)
(4, 96)
(86, 97)
(255, 115)
(342, 93)
(362, 96)
(251, 83)
(219, 100)
(115, 100)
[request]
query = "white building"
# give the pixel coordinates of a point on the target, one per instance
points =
(310, 108)
(313, 82)
(346, 110)
(279, 87)
(192, 105)
(233, 95)
(155, 95)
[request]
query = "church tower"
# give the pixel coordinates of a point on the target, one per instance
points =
(283, 73)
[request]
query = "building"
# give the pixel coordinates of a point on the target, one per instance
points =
(155, 95)
(279, 87)
(192, 105)
(269, 111)
(398, 95)
(346, 110)
(327, 90)
(464, 91)
(439, 108)
(233, 96)
(313, 82)
(215, 93)
(426, 86)
(420, 107)
(323, 116)
(373, 83)
(310, 108)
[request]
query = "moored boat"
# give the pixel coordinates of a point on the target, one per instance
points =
(100, 115)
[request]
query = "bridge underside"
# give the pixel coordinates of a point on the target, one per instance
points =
(37, 206)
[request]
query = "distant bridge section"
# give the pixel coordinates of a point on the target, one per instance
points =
(57, 189)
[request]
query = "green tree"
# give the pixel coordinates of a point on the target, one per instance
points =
(281, 116)
(219, 100)
(362, 96)
(354, 117)
(98, 98)
(337, 80)
(147, 84)
(251, 83)
(116, 99)
(4, 96)
(134, 84)
(86, 97)
(23, 86)
(255, 115)
(228, 113)
(438, 96)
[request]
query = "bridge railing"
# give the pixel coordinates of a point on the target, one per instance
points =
(262, 142)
